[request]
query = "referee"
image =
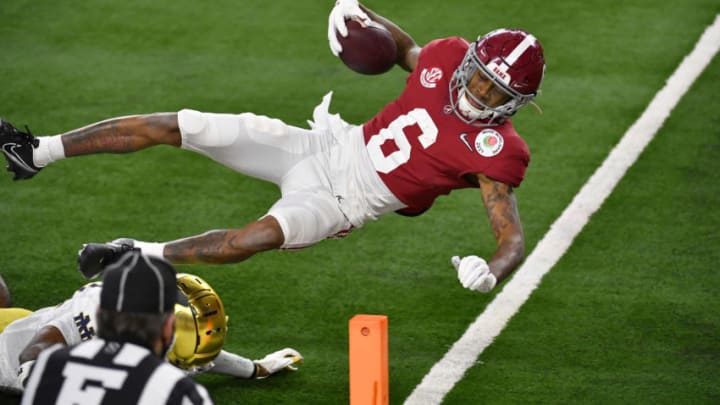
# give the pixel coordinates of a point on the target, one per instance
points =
(125, 364)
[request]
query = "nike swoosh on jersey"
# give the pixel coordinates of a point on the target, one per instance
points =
(463, 138)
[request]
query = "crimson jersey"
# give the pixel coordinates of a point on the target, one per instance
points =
(421, 149)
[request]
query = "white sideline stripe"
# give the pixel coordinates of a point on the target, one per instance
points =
(481, 333)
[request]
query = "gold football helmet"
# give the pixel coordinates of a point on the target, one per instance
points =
(200, 324)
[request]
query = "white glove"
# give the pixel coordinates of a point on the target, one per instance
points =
(474, 273)
(286, 359)
(336, 22)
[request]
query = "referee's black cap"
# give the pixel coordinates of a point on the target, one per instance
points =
(139, 284)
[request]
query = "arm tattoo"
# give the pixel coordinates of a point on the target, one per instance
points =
(505, 221)
(212, 247)
(104, 137)
(227, 245)
(501, 208)
(123, 135)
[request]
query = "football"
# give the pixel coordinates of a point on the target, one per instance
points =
(369, 50)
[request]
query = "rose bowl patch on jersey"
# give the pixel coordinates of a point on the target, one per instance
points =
(489, 143)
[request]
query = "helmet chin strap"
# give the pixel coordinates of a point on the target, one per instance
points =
(469, 110)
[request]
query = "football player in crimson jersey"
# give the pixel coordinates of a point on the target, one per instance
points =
(450, 128)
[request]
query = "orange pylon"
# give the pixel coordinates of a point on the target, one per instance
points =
(368, 345)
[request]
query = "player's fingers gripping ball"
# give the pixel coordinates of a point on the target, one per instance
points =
(343, 10)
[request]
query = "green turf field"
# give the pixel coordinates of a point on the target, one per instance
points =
(629, 315)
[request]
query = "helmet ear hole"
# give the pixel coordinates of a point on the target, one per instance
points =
(200, 326)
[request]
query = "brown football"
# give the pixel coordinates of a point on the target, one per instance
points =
(369, 50)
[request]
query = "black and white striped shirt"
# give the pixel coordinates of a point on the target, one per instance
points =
(99, 372)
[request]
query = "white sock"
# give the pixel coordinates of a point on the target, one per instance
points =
(151, 248)
(49, 150)
(231, 364)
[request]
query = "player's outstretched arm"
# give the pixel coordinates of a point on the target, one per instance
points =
(474, 272)
(502, 211)
(234, 365)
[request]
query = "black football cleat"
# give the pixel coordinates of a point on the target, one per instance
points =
(93, 258)
(17, 147)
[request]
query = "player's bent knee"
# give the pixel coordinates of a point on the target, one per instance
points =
(263, 126)
(307, 218)
(209, 130)
(268, 233)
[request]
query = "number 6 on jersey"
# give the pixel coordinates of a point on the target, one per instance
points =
(396, 132)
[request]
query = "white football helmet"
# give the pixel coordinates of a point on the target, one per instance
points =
(513, 60)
